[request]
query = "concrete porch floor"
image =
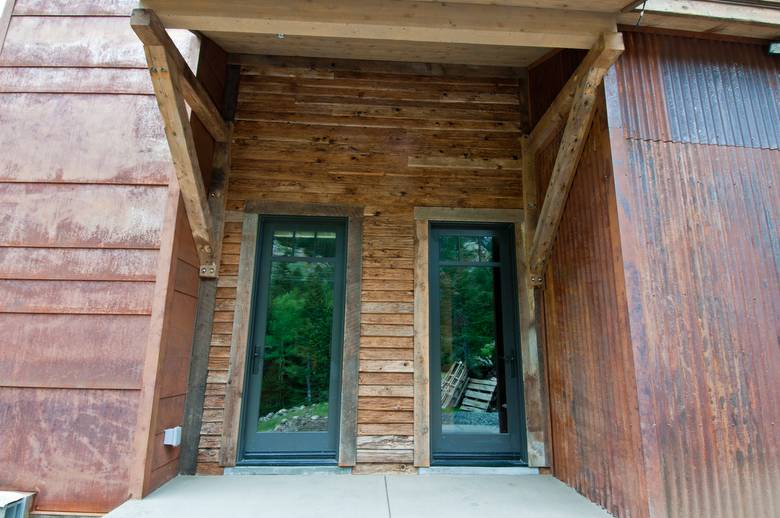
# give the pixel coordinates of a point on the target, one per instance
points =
(363, 496)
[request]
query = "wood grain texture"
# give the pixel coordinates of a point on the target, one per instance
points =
(329, 133)
(239, 340)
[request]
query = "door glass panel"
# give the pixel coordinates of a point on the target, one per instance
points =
(296, 358)
(471, 359)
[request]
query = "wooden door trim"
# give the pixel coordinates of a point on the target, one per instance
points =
(534, 393)
(347, 450)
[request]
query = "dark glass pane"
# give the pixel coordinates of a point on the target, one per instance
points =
(326, 244)
(296, 357)
(469, 359)
(305, 243)
(469, 249)
(448, 248)
(283, 243)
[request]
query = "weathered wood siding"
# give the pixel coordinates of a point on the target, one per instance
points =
(695, 129)
(595, 424)
(84, 172)
(387, 137)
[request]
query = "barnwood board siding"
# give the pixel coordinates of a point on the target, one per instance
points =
(309, 139)
(211, 69)
(239, 338)
(82, 225)
(697, 212)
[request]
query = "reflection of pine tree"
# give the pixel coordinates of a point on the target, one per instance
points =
(297, 351)
(473, 317)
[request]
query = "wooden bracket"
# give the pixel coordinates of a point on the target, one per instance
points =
(174, 84)
(576, 102)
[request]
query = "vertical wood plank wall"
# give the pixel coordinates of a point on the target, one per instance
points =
(388, 137)
(695, 127)
(595, 424)
(84, 176)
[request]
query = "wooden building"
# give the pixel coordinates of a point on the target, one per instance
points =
(614, 168)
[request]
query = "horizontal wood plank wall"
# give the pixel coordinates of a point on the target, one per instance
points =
(389, 138)
(84, 172)
(695, 130)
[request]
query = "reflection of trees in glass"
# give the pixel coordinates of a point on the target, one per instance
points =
(296, 363)
(468, 319)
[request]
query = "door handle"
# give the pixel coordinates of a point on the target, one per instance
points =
(512, 366)
(257, 355)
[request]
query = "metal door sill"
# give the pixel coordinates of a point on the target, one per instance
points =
(287, 470)
(478, 470)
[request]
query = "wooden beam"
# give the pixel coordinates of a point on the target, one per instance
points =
(390, 20)
(151, 32)
(537, 416)
(164, 72)
(577, 125)
(765, 13)
(606, 50)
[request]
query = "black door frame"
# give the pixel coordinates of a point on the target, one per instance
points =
(475, 449)
(292, 448)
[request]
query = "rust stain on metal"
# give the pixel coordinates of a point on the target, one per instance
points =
(696, 171)
(596, 432)
(699, 91)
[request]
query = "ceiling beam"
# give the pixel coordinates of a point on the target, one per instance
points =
(387, 20)
(165, 68)
(151, 32)
(580, 116)
(766, 13)
(606, 50)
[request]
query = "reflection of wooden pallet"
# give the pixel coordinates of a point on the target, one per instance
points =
(452, 385)
(479, 394)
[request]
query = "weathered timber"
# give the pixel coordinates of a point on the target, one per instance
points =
(362, 160)
(152, 33)
(599, 59)
(173, 83)
(601, 56)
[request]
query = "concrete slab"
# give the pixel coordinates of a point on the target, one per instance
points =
(490, 496)
(365, 496)
(273, 496)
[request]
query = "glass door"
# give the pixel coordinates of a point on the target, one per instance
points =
(476, 396)
(291, 400)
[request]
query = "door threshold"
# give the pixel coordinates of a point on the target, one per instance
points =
(478, 470)
(287, 470)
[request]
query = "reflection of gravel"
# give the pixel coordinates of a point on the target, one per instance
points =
(470, 418)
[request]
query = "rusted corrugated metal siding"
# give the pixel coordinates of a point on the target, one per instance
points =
(84, 177)
(546, 77)
(696, 171)
(699, 91)
(596, 436)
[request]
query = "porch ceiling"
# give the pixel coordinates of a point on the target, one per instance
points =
(472, 32)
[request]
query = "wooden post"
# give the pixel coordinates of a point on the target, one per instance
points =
(534, 380)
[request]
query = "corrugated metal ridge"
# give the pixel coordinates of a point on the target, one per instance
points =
(687, 90)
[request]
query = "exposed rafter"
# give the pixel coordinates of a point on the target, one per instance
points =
(576, 103)
(174, 83)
